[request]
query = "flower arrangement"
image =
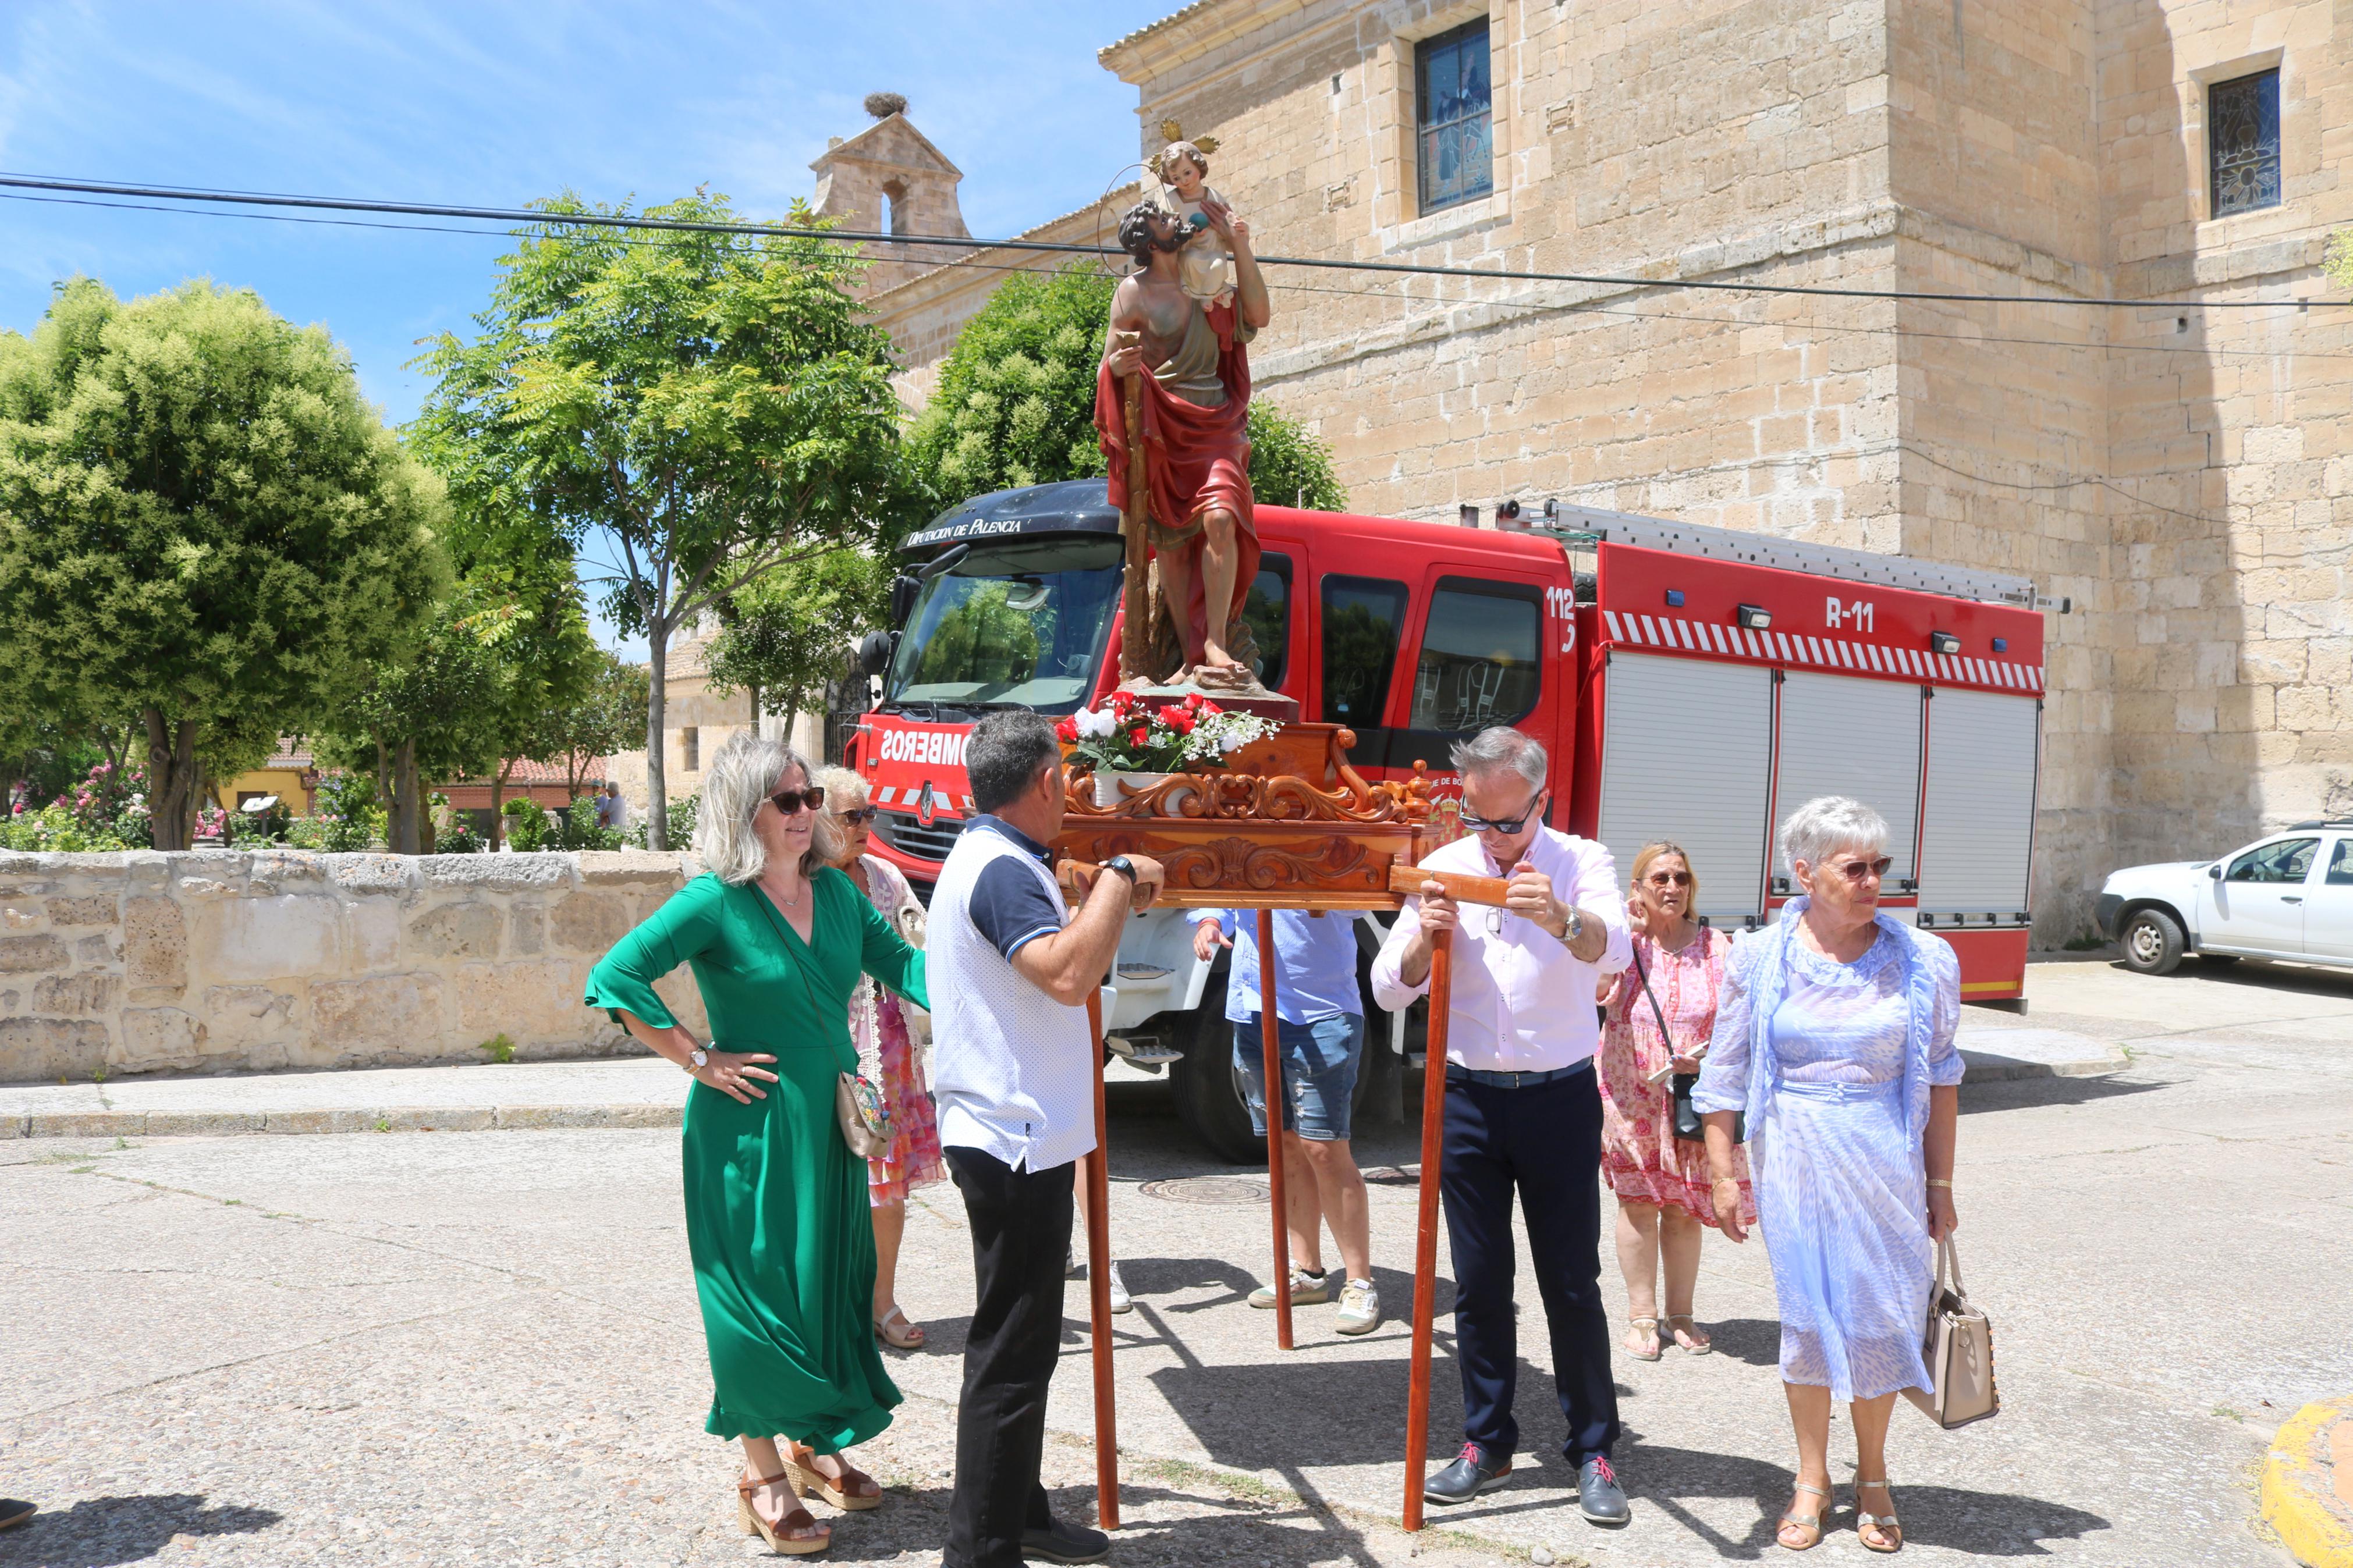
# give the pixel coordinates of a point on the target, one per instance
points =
(1128, 734)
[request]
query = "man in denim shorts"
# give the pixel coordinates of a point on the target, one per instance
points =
(1320, 1032)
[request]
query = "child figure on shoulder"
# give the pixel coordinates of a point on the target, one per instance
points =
(1181, 189)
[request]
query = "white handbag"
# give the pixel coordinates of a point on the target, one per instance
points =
(1959, 1348)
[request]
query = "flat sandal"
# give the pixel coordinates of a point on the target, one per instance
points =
(1657, 1350)
(1812, 1521)
(1674, 1318)
(799, 1519)
(1882, 1522)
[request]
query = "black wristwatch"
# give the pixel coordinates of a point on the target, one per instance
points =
(1123, 866)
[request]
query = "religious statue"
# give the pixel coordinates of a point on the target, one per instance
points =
(1172, 404)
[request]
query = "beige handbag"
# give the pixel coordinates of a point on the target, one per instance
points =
(1959, 1348)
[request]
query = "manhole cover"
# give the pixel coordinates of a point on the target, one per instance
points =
(1231, 1191)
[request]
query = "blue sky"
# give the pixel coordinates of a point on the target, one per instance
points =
(493, 104)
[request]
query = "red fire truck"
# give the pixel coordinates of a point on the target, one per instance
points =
(1692, 683)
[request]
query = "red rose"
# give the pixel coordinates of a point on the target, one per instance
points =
(1067, 732)
(1177, 719)
(1209, 708)
(1138, 736)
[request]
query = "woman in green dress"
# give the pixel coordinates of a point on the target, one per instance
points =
(776, 1202)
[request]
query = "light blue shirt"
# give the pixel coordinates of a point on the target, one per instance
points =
(1315, 963)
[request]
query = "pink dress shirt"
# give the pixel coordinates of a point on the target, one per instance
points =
(1523, 1002)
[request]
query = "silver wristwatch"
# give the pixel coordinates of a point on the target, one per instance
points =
(698, 1059)
(1575, 926)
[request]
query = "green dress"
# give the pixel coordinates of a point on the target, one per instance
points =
(776, 1209)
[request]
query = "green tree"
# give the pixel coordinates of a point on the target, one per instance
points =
(2336, 258)
(609, 716)
(784, 635)
(201, 524)
(711, 404)
(427, 715)
(1016, 402)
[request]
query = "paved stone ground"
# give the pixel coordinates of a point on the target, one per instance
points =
(482, 1347)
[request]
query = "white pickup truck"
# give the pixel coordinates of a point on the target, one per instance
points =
(2289, 895)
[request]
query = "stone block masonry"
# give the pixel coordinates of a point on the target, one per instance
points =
(223, 961)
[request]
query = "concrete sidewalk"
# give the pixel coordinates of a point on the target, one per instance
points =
(642, 1091)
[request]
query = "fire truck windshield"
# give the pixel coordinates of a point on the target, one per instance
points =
(1020, 625)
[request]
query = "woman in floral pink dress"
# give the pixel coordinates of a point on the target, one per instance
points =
(1662, 1182)
(878, 1028)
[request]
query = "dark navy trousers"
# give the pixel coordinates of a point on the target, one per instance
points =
(1545, 1140)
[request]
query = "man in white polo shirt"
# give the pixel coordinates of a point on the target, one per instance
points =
(1523, 1109)
(1013, 1071)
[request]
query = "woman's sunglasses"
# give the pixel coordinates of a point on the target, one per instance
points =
(789, 801)
(1856, 870)
(1669, 879)
(861, 817)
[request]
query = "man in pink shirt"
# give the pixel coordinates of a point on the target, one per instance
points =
(1523, 1108)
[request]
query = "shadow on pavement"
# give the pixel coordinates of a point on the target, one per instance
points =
(2257, 972)
(2029, 1093)
(100, 1531)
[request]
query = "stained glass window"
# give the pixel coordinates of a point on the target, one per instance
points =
(2242, 143)
(1456, 152)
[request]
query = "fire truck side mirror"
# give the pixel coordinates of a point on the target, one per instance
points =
(875, 649)
(903, 590)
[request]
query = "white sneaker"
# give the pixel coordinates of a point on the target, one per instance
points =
(1119, 1297)
(1360, 1309)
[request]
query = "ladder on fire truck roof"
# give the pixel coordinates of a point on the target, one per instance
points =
(1585, 524)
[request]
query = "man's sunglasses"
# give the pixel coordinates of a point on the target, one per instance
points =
(1856, 870)
(863, 815)
(1503, 825)
(789, 801)
(1669, 879)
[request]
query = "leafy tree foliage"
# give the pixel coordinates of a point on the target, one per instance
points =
(713, 405)
(784, 635)
(609, 716)
(1014, 404)
(202, 523)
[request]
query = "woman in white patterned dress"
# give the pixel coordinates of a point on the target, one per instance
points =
(1834, 1033)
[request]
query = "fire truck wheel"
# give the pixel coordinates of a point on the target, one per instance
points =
(1209, 1092)
(2152, 942)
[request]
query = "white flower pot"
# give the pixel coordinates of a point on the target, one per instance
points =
(1109, 795)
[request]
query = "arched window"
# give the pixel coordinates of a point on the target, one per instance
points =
(894, 207)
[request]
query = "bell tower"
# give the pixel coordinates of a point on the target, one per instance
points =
(890, 179)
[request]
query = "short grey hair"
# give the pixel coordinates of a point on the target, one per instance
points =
(741, 776)
(1826, 824)
(1500, 747)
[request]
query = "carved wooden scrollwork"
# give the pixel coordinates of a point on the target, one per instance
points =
(1239, 863)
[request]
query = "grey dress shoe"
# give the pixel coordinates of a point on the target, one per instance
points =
(15, 1511)
(1600, 1498)
(1065, 1542)
(1473, 1472)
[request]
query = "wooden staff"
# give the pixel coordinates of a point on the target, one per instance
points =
(1136, 635)
(1425, 1253)
(1276, 1099)
(1098, 1179)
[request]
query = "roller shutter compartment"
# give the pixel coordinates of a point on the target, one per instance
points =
(1687, 755)
(1977, 837)
(1861, 739)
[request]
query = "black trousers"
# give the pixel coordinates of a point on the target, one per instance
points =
(1545, 1140)
(1021, 1232)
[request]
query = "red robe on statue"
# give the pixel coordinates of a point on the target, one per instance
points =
(1195, 460)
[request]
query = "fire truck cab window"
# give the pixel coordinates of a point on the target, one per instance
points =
(2286, 861)
(1362, 619)
(1268, 611)
(1022, 622)
(1479, 657)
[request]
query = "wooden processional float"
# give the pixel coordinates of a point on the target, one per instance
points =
(1287, 825)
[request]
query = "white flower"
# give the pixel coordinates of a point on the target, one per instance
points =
(1096, 725)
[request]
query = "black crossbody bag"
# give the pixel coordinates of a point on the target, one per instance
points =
(1689, 1128)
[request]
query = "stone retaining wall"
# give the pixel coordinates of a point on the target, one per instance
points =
(223, 961)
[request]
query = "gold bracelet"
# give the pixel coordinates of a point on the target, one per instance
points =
(1940, 1182)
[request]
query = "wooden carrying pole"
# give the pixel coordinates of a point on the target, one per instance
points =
(1270, 1032)
(1098, 1180)
(1425, 1248)
(1135, 632)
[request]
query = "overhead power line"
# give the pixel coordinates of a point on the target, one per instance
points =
(540, 217)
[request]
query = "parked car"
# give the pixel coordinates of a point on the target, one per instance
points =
(2286, 896)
